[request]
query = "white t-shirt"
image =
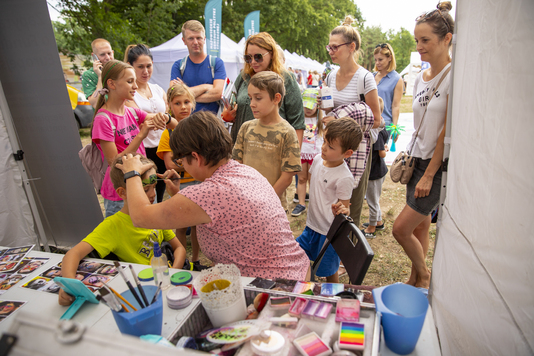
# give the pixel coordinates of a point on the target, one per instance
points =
(311, 141)
(327, 186)
(153, 105)
(350, 94)
(435, 115)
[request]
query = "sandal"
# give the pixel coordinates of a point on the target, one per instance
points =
(369, 235)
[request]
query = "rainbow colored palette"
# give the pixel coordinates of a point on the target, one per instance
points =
(312, 345)
(352, 336)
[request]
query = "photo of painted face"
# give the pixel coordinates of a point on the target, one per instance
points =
(52, 273)
(88, 266)
(37, 283)
(82, 275)
(7, 266)
(108, 270)
(52, 288)
(31, 266)
(96, 281)
(9, 307)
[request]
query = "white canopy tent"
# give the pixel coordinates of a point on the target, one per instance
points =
(411, 72)
(169, 52)
(483, 271)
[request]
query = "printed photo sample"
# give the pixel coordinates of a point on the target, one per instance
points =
(8, 307)
(12, 257)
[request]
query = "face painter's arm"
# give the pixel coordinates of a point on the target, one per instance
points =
(162, 215)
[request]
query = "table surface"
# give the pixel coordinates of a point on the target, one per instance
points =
(99, 316)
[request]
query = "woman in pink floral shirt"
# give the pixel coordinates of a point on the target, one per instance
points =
(238, 215)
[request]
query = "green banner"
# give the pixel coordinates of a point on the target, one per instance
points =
(252, 24)
(212, 16)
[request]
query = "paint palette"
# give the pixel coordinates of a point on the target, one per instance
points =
(352, 336)
(234, 332)
(312, 345)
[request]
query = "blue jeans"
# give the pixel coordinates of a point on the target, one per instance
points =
(112, 206)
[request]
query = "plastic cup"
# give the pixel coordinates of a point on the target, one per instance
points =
(232, 313)
(144, 321)
(403, 309)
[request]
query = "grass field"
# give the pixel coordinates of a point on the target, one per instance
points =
(390, 263)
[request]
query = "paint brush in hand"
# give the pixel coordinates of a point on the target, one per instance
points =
(139, 286)
(132, 289)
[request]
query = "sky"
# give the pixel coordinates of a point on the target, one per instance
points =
(394, 14)
(388, 14)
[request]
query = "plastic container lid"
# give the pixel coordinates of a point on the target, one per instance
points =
(179, 297)
(181, 278)
(146, 275)
(268, 342)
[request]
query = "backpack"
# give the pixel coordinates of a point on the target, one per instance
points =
(91, 156)
(360, 84)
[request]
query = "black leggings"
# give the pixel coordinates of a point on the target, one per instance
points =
(160, 185)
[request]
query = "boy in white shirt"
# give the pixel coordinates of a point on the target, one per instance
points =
(331, 186)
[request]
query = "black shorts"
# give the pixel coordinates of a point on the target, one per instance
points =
(424, 205)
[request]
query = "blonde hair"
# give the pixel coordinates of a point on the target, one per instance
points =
(112, 70)
(267, 42)
(98, 41)
(193, 25)
(271, 82)
(178, 90)
(349, 33)
(388, 52)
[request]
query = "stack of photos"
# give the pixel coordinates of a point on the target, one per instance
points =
(8, 307)
(92, 274)
(26, 266)
(12, 257)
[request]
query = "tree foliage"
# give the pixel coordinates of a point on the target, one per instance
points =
(403, 45)
(300, 26)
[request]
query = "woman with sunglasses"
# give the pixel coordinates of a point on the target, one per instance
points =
(346, 83)
(433, 35)
(261, 54)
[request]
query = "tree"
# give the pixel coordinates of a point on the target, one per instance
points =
(371, 37)
(403, 45)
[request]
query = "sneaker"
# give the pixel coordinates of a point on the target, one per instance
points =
(369, 235)
(307, 197)
(198, 267)
(299, 209)
(378, 227)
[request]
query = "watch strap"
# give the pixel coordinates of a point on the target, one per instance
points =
(131, 174)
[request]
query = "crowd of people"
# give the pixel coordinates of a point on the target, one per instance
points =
(229, 188)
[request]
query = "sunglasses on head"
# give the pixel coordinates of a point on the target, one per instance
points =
(383, 45)
(430, 14)
(257, 57)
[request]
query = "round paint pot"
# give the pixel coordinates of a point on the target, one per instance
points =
(268, 342)
(146, 275)
(179, 297)
(181, 278)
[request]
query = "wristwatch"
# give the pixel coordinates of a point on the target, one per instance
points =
(131, 174)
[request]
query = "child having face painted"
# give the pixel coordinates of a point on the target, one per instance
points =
(129, 243)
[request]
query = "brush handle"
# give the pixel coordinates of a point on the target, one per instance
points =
(134, 293)
(141, 291)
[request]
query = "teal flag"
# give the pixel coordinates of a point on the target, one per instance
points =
(252, 24)
(212, 16)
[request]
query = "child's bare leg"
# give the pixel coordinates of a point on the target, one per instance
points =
(303, 180)
(333, 278)
(194, 244)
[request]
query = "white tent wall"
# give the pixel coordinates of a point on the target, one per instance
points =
(413, 69)
(483, 272)
(16, 220)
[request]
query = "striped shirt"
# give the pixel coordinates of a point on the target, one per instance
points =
(350, 94)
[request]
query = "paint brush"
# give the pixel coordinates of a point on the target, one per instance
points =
(156, 295)
(120, 296)
(139, 286)
(110, 301)
(132, 289)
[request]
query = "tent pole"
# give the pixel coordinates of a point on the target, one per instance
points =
(13, 138)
